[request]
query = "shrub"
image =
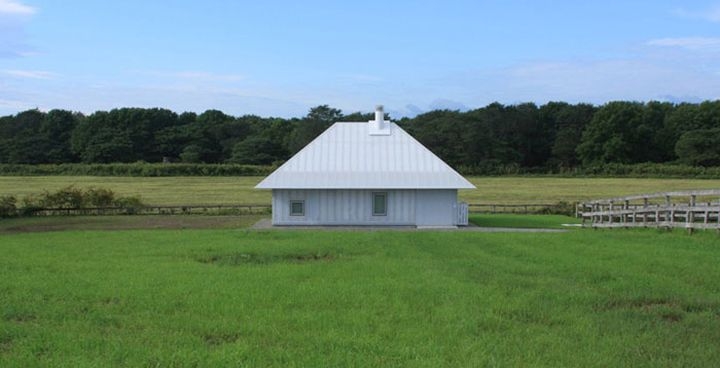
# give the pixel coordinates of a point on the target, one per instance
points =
(560, 208)
(129, 202)
(72, 197)
(8, 206)
(68, 197)
(30, 204)
(99, 197)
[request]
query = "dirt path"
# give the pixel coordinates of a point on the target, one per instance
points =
(266, 224)
(63, 223)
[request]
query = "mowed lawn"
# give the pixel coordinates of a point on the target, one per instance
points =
(239, 190)
(638, 298)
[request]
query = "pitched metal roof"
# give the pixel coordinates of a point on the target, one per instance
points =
(348, 156)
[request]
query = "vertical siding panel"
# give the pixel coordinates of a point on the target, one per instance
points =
(329, 205)
(280, 200)
(310, 205)
(275, 207)
(394, 203)
(342, 206)
(333, 198)
(363, 205)
(347, 206)
(397, 200)
(359, 206)
(347, 211)
(321, 200)
(314, 200)
(405, 206)
(397, 194)
(400, 204)
(339, 204)
(323, 208)
(351, 206)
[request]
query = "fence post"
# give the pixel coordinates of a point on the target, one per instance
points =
(576, 211)
(626, 206)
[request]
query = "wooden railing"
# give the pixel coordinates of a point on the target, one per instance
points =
(215, 209)
(210, 209)
(462, 214)
(699, 209)
(513, 208)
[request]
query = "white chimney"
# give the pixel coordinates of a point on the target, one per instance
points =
(379, 126)
(379, 115)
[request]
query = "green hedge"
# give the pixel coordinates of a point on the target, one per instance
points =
(648, 170)
(135, 169)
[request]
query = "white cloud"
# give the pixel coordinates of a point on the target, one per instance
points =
(31, 74)
(193, 75)
(13, 106)
(712, 14)
(604, 80)
(690, 43)
(12, 7)
(13, 17)
(359, 78)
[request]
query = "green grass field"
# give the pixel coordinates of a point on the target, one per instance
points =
(87, 291)
(640, 298)
(521, 221)
(239, 190)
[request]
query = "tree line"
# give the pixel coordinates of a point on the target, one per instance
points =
(551, 136)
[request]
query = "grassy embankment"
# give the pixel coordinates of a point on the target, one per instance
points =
(239, 190)
(640, 298)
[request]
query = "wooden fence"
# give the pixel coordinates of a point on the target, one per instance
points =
(699, 209)
(533, 208)
(213, 209)
(210, 209)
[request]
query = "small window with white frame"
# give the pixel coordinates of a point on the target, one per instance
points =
(297, 208)
(379, 203)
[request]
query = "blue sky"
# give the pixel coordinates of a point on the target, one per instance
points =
(279, 58)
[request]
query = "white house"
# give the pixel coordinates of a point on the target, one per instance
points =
(366, 173)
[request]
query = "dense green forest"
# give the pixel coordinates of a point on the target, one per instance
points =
(548, 137)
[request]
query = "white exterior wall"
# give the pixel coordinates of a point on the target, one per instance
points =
(354, 207)
(436, 207)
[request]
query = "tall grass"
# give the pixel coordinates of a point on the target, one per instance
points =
(240, 190)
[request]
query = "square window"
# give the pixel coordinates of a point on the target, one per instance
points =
(379, 204)
(297, 208)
